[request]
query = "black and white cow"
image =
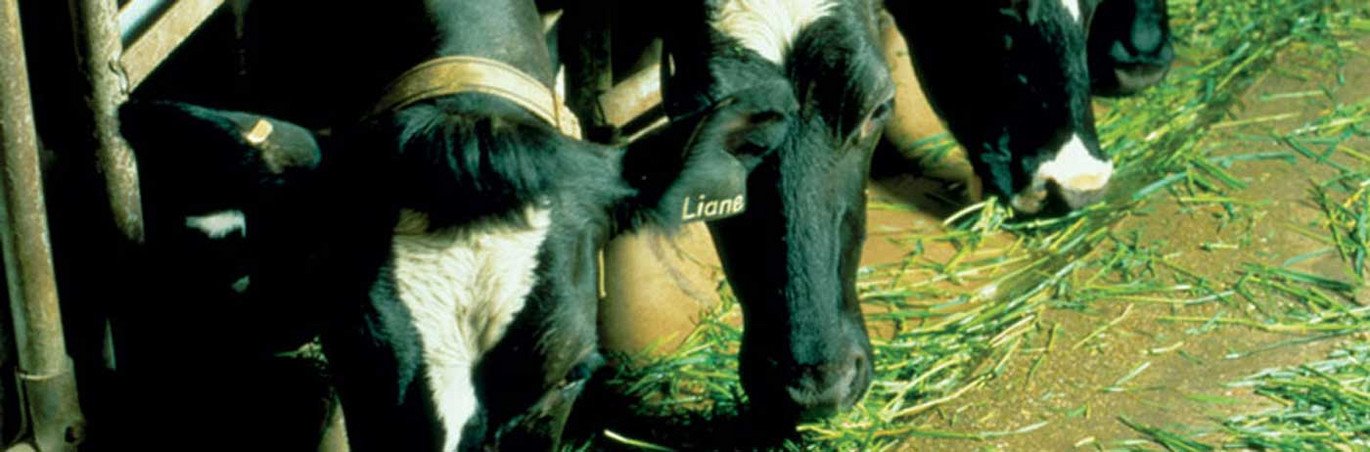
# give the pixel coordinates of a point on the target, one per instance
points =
(227, 246)
(458, 233)
(1013, 80)
(792, 256)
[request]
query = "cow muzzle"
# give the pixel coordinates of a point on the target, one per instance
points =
(1072, 180)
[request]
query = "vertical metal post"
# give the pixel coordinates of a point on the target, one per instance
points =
(587, 51)
(99, 49)
(47, 383)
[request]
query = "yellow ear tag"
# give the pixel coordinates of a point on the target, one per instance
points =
(260, 132)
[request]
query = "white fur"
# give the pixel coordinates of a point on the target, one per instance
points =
(241, 285)
(1075, 169)
(769, 27)
(463, 286)
(218, 225)
(1073, 6)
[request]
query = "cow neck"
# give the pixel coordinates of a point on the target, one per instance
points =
(445, 76)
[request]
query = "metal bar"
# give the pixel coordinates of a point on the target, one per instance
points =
(162, 38)
(46, 378)
(634, 97)
(587, 48)
(137, 15)
(633, 107)
(98, 49)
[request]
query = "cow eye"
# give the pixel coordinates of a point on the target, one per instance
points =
(883, 111)
(877, 118)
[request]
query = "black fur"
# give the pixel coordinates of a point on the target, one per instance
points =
(1129, 44)
(190, 329)
(464, 160)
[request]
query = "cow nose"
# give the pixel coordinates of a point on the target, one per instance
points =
(1074, 178)
(1142, 60)
(1147, 39)
(821, 391)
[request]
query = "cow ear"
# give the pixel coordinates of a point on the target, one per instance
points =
(215, 171)
(194, 138)
(697, 169)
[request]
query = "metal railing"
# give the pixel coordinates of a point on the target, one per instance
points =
(150, 30)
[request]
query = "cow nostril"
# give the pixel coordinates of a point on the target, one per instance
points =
(824, 390)
(858, 376)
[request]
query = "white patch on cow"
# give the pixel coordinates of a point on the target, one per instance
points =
(769, 27)
(218, 225)
(463, 287)
(241, 285)
(1072, 6)
(1073, 169)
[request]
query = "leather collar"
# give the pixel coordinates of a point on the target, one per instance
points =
(450, 75)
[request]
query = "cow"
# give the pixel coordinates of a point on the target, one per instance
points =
(792, 256)
(218, 316)
(1011, 80)
(453, 228)
(1015, 88)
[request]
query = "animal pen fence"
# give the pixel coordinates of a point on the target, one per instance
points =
(118, 45)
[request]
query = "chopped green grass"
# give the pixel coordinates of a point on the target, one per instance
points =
(1323, 405)
(961, 321)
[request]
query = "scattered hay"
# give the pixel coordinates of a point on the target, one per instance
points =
(959, 321)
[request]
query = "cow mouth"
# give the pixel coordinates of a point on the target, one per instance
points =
(1133, 78)
(1046, 196)
(540, 427)
(1031, 200)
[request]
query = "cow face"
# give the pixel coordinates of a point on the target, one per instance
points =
(1010, 79)
(792, 256)
(223, 195)
(200, 185)
(225, 235)
(1129, 44)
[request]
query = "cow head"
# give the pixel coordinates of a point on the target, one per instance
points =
(1013, 80)
(1129, 44)
(792, 256)
(223, 195)
(1010, 79)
